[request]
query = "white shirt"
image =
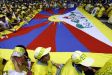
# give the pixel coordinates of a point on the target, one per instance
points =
(5, 24)
(13, 72)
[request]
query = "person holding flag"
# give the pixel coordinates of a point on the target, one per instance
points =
(43, 64)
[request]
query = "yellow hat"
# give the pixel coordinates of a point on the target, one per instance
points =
(30, 6)
(18, 9)
(24, 7)
(18, 51)
(80, 58)
(22, 12)
(1, 15)
(110, 4)
(41, 51)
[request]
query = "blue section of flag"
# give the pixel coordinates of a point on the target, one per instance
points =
(34, 22)
(23, 39)
(45, 13)
(65, 40)
(70, 9)
(55, 11)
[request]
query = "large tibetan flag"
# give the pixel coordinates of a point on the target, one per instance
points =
(65, 30)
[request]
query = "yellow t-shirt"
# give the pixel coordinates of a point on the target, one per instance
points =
(82, 6)
(1, 66)
(107, 11)
(42, 69)
(28, 18)
(98, 8)
(10, 20)
(68, 69)
(35, 12)
(9, 66)
(110, 13)
(101, 11)
(106, 69)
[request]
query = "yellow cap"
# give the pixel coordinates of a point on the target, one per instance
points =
(80, 58)
(1, 15)
(41, 51)
(18, 51)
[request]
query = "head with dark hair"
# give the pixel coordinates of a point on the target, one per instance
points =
(45, 58)
(9, 15)
(21, 46)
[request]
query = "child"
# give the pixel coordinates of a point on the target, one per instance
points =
(79, 64)
(43, 65)
(21, 64)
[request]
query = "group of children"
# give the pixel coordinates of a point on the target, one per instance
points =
(79, 64)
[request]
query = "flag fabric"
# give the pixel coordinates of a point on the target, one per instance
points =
(65, 30)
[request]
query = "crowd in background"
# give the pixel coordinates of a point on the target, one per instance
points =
(12, 12)
(100, 10)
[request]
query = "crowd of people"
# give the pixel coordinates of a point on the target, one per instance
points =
(21, 64)
(13, 12)
(12, 15)
(100, 10)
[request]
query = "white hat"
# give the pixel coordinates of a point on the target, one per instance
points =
(24, 7)
(110, 4)
(17, 54)
(18, 9)
(80, 58)
(18, 51)
(41, 51)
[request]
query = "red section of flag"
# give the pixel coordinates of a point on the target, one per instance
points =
(40, 16)
(61, 11)
(90, 42)
(50, 11)
(23, 31)
(45, 39)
